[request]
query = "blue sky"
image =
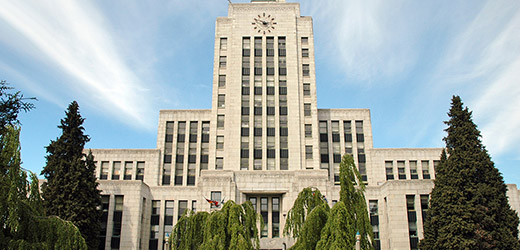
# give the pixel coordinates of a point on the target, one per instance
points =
(124, 61)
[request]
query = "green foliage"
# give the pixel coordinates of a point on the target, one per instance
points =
(352, 194)
(232, 227)
(310, 221)
(339, 232)
(71, 188)
(307, 200)
(11, 104)
(311, 231)
(23, 224)
(468, 205)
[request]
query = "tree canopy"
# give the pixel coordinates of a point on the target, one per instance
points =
(315, 227)
(469, 208)
(71, 189)
(232, 227)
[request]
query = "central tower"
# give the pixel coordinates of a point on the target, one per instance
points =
(264, 94)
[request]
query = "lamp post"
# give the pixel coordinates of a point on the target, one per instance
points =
(358, 241)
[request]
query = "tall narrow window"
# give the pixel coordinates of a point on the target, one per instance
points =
(308, 130)
(347, 129)
(374, 221)
(425, 169)
(104, 170)
(140, 171)
(425, 200)
(389, 167)
(308, 152)
(400, 170)
(413, 170)
(105, 201)
(306, 89)
(275, 217)
(412, 221)
(219, 163)
(222, 81)
(221, 103)
(220, 142)
(223, 43)
(168, 219)
(307, 109)
(167, 169)
(154, 225)
(220, 121)
(324, 147)
(264, 212)
(116, 170)
(183, 205)
(117, 222)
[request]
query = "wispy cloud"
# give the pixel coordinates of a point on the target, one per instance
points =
(483, 62)
(73, 35)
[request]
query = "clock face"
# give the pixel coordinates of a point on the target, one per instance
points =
(264, 23)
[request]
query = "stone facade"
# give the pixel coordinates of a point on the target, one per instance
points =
(264, 140)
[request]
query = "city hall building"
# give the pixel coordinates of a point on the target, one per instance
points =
(263, 140)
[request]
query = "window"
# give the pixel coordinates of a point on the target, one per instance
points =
(117, 222)
(221, 101)
(374, 221)
(166, 173)
(426, 169)
(105, 202)
(216, 196)
(220, 121)
(220, 142)
(140, 171)
(413, 170)
(305, 52)
(194, 205)
(305, 40)
(306, 89)
(275, 216)
(412, 221)
(116, 170)
(308, 152)
(168, 218)
(222, 80)
(400, 170)
(104, 170)
(222, 62)
(307, 109)
(154, 224)
(219, 163)
(183, 206)
(306, 70)
(223, 43)
(264, 212)
(389, 168)
(308, 130)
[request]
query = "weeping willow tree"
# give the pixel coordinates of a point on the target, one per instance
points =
(315, 227)
(307, 200)
(232, 227)
(23, 222)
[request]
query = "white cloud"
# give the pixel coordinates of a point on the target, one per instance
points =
(73, 35)
(483, 62)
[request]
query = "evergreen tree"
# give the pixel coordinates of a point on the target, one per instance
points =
(469, 208)
(71, 189)
(11, 104)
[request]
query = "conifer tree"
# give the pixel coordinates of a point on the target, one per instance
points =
(71, 189)
(469, 207)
